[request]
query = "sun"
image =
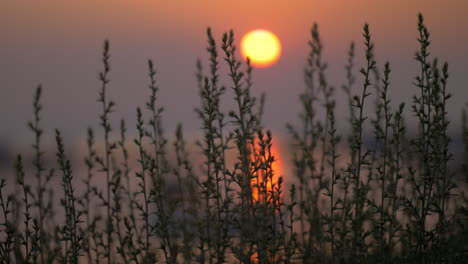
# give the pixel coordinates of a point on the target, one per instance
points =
(261, 46)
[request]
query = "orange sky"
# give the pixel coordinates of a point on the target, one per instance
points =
(58, 43)
(181, 16)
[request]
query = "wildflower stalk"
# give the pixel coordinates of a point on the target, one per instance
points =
(117, 191)
(346, 215)
(8, 230)
(107, 108)
(327, 91)
(143, 185)
(70, 230)
(348, 87)
(245, 121)
(398, 130)
(120, 191)
(360, 189)
(42, 182)
(308, 141)
(158, 168)
(215, 128)
(244, 103)
(424, 110)
(87, 196)
(289, 243)
(382, 134)
(335, 177)
(446, 184)
(26, 239)
(184, 174)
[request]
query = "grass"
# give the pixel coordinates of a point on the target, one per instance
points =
(400, 199)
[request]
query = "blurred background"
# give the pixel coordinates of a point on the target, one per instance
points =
(58, 44)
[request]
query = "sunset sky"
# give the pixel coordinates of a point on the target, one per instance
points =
(58, 44)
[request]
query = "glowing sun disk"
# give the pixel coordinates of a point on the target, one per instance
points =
(261, 46)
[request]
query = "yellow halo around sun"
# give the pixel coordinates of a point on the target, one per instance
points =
(261, 46)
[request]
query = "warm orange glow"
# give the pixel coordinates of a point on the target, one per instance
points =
(261, 46)
(254, 258)
(263, 175)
